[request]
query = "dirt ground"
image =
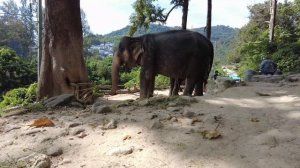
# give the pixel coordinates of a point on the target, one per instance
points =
(257, 125)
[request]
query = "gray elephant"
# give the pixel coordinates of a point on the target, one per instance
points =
(178, 54)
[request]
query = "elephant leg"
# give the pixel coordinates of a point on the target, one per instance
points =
(199, 88)
(146, 83)
(176, 87)
(189, 87)
(151, 86)
(172, 82)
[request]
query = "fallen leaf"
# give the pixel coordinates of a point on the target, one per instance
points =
(42, 122)
(254, 119)
(127, 137)
(212, 134)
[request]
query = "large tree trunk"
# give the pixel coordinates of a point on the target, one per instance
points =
(185, 9)
(273, 7)
(62, 62)
(208, 20)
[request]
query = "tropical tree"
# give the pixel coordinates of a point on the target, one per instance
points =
(62, 63)
(146, 12)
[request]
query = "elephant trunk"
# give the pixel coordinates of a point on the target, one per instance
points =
(115, 74)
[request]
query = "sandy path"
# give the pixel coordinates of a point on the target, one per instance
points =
(257, 131)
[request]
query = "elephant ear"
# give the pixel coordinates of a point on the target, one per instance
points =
(137, 50)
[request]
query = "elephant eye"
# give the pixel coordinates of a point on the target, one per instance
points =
(121, 48)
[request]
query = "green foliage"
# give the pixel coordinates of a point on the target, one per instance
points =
(14, 71)
(162, 82)
(99, 70)
(252, 43)
(14, 97)
(131, 79)
(19, 96)
(145, 13)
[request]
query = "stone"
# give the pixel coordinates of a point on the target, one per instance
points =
(66, 161)
(77, 131)
(174, 119)
(156, 125)
(120, 151)
(267, 78)
(112, 124)
(164, 116)
(9, 128)
(174, 109)
(95, 105)
(187, 121)
(75, 124)
(54, 151)
(103, 109)
(82, 135)
(61, 100)
(188, 114)
(153, 116)
(144, 102)
(35, 160)
(224, 83)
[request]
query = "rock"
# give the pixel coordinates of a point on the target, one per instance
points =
(61, 100)
(95, 105)
(156, 125)
(31, 132)
(153, 116)
(77, 104)
(267, 78)
(112, 124)
(224, 83)
(121, 151)
(66, 161)
(9, 128)
(54, 151)
(249, 74)
(14, 112)
(46, 139)
(164, 116)
(174, 119)
(144, 102)
(187, 121)
(75, 124)
(174, 109)
(99, 108)
(102, 109)
(188, 114)
(35, 160)
(82, 135)
(77, 131)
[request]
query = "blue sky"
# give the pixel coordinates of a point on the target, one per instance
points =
(105, 16)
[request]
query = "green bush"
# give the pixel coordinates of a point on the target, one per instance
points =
(162, 82)
(99, 70)
(14, 71)
(19, 96)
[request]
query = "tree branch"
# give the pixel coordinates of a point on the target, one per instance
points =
(167, 15)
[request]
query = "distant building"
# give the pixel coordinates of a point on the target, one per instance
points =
(104, 49)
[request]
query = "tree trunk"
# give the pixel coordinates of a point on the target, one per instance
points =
(185, 9)
(62, 62)
(208, 20)
(273, 8)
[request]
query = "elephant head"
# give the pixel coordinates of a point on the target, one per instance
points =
(129, 53)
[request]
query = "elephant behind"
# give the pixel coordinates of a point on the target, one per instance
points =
(178, 54)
